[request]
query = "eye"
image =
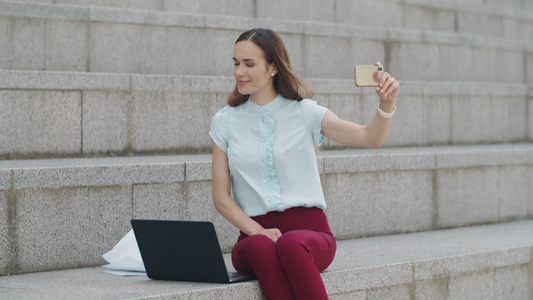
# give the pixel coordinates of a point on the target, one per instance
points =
(249, 66)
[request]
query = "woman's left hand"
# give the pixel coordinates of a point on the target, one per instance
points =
(388, 88)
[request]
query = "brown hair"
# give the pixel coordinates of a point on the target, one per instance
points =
(286, 82)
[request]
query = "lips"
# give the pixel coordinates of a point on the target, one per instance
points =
(241, 82)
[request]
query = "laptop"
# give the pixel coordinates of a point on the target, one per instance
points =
(182, 251)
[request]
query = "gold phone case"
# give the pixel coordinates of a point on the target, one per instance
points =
(364, 75)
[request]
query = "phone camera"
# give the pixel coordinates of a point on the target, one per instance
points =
(380, 69)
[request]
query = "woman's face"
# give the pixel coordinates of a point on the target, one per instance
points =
(252, 73)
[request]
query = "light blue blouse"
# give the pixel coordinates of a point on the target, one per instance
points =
(271, 153)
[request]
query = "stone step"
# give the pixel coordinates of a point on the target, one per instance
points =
(61, 114)
(102, 39)
(65, 213)
(492, 18)
(484, 262)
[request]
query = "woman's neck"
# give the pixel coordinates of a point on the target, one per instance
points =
(264, 98)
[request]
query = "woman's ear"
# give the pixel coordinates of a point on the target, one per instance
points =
(274, 71)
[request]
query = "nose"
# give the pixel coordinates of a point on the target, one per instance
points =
(238, 71)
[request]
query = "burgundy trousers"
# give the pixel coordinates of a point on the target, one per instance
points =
(289, 268)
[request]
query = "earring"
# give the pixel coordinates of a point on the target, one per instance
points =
(272, 74)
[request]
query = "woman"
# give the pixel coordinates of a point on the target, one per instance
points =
(264, 152)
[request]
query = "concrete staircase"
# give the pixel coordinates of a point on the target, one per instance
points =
(456, 43)
(106, 109)
(489, 262)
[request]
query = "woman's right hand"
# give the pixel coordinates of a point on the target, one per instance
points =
(272, 233)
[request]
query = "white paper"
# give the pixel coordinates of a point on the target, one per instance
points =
(125, 256)
(125, 273)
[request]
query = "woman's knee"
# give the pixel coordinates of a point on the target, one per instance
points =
(251, 251)
(258, 246)
(291, 243)
(306, 246)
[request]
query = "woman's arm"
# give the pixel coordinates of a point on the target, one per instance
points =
(225, 205)
(372, 135)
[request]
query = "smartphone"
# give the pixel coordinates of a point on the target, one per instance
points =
(364, 75)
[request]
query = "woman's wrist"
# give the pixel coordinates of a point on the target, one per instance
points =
(386, 106)
(386, 110)
(255, 228)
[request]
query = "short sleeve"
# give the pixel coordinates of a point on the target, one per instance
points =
(313, 115)
(218, 131)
